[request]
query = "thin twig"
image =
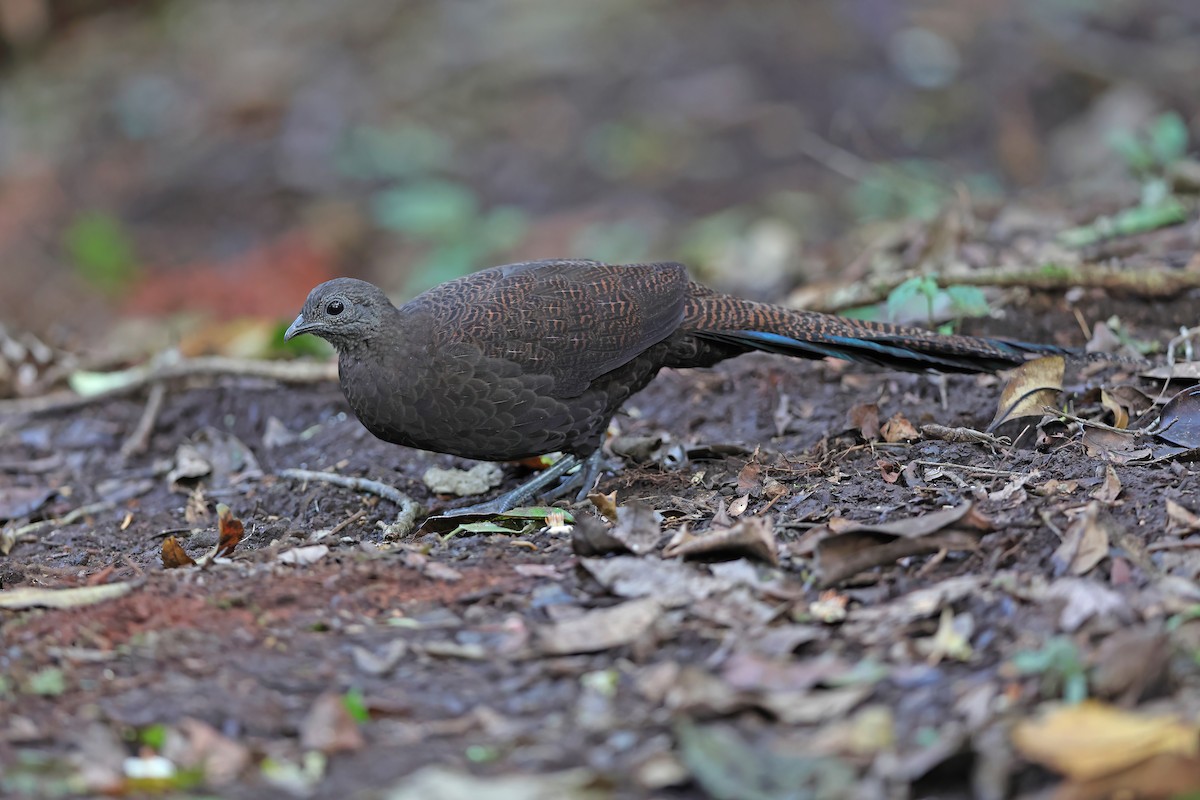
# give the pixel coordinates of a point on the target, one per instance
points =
(139, 439)
(405, 520)
(25, 531)
(1003, 473)
(168, 369)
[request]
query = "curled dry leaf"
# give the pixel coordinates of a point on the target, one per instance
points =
(1093, 739)
(1085, 542)
(1110, 489)
(1120, 414)
(606, 504)
(1116, 447)
(845, 548)
(230, 530)
(752, 537)
(173, 554)
(1180, 520)
(739, 505)
(1032, 386)
(899, 429)
(1179, 421)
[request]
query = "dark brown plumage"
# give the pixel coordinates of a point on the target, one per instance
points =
(532, 358)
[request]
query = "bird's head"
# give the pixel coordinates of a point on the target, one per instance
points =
(344, 312)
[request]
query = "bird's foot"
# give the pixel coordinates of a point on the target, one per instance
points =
(582, 481)
(522, 494)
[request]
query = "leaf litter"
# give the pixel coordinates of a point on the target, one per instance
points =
(702, 606)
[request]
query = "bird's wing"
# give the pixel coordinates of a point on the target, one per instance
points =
(573, 320)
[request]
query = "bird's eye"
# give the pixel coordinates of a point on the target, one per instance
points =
(334, 308)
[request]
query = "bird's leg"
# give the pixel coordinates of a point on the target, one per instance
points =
(522, 494)
(584, 479)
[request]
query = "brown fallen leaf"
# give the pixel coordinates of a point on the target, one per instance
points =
(601, 629)
(750, 478)
(230, 530)
(1031, 386)
(1116, 447)
(1120, 415)
(1094, 739)
(606, 504)
(845, 548)
(899, 429)
(864, 418)
(1179, 421)
(1181, 520)
(328, 727)
(1085, 542)
(173, 554)
(1108, 491)
(752, 537)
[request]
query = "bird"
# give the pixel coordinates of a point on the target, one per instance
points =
(529, 359)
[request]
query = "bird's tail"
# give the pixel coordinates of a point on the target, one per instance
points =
(808, 334)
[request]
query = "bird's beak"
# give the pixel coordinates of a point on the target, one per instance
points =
(296, 328)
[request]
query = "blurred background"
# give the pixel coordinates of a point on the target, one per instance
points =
(182, 164)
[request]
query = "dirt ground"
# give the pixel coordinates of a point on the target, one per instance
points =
(625, 674)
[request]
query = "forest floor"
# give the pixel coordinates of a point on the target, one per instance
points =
(327, 657)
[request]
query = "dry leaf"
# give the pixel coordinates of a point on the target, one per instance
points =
(601, 629)
(230, 529)
(899, 429)
(864, 418)
(1180, 520)
(1093, 739)
(1108, 491)
(739, 505)
(752, 537)
(173, 554)
(1032, 386)
(750, 478)
(1085, 542)
(606, 504)
(1114, 446)
(1179, 421)
(846, 548)
(328, 727)
(1120, 415)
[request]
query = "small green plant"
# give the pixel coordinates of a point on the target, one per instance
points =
(1061, 667)
(935, 302)
(1149, 156)
(356, 706)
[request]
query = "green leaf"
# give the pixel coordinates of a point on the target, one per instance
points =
(537, 512)
(48, 682)
(967, 301)
(1169, 138)
(1137, 157)
(356, 706)
(905, 295)
(101, 251)
(154, 736)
